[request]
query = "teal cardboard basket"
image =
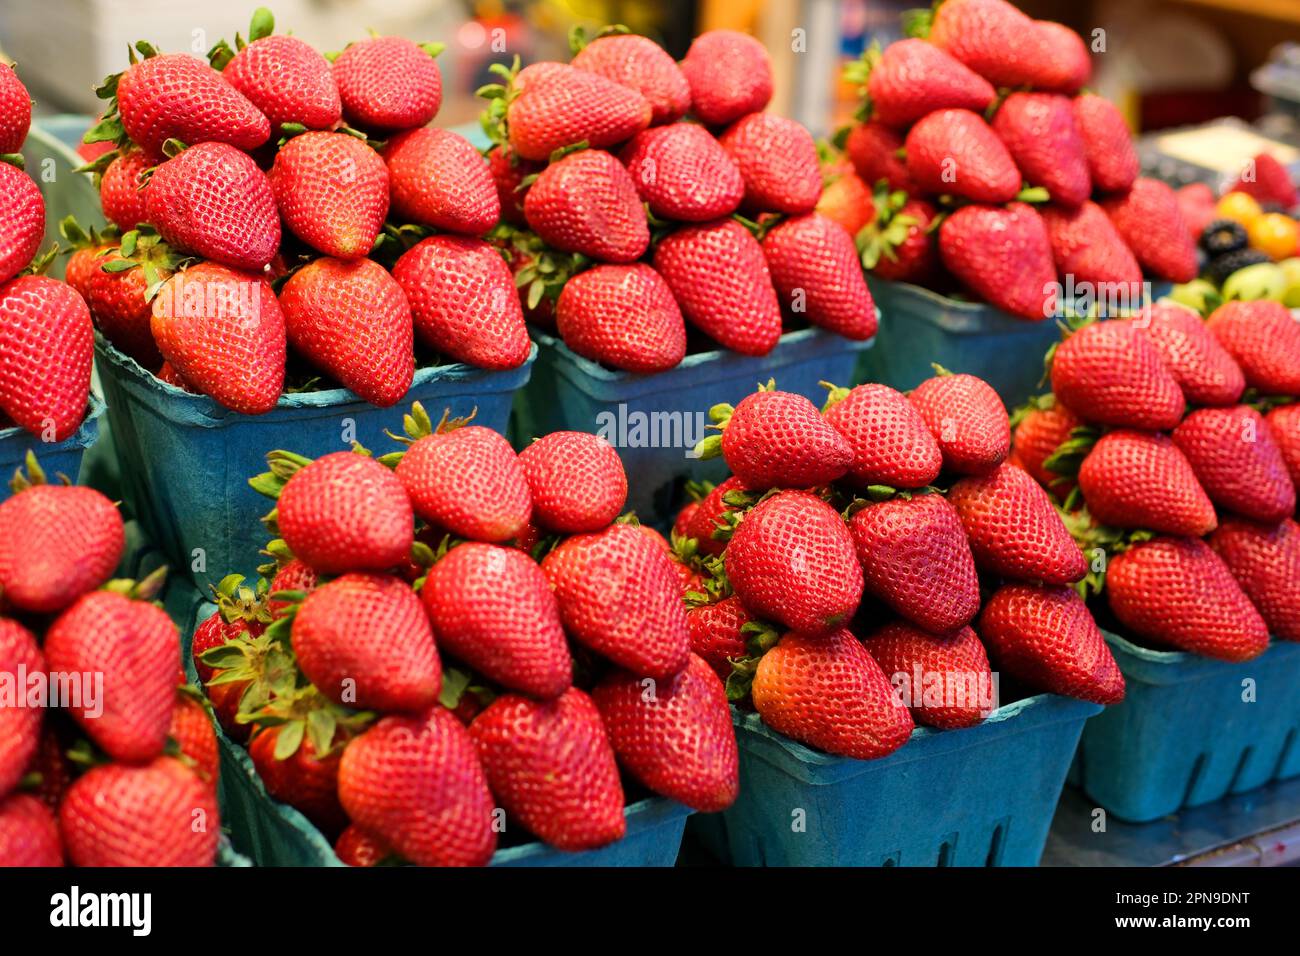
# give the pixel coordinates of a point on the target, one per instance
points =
(50, 154)
(655, 420)
(185, 461)
(61, 458)
(982, 796)
(1188, 733)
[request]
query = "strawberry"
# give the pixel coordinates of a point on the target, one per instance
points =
(1148, 218)
(915, 557)
(282, 76)
(492, 608)
(1264, 178)
(1265, 341)
(1047, 638)
(416, 783)
(29, 833)
(20, 725)
(223, 332)
(1265, 560)
(1284, 423)
(1136, 479)
(22, 221)
(551, 766)
(623, 316)
(1113, 372)
(463, 301)
(684, 516)
(553, 106)
(440, 180)
(136, 648)
(711, 514)
(1013, 529)
(1038, 429)
(730, 76)
(356, 847)
(846, 200)
(1087, 246)
(967, 419)
(899, 244)
(826, 691)
(890, 441)
(912, 78)
(191, 729)
(388, 84)
(1004, 256)
(737, 306)
(295, 575)
(332, 191)
(777, 159)
(1177, 592)
(1204, 370)
(776, 439)
(124, 190)
(168, 375)
(675, 738)
(792, 560)
(683, 173)
(1196, 201)
(1069, 64)
(118, 297)
(817, 275)
(241, 611)
(156, 814)
(16, 110)
(874, 150)
(587, 203)
(352, 321)
(1234, 454)
(1108, 144)
(957, 153)
(996, 40)
(945, 680)
(301, 777)
(576, 480)
(508, 175)
(717, 634)
(640, 63)
(87, 249)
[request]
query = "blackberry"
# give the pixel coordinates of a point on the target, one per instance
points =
(1222, 236)
(1221, 267)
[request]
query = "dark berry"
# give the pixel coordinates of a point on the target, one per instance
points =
(1221, 267)
(1223, 236)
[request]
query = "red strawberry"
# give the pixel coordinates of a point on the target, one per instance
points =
(817, 275)
(1069, 64)
(230, 622)
(874, 149)
(716, 634)
(1002, 255)
(577, 481)
(967, 419)
(1112, 160)
(296, 575)
(675, 738)
(134, 645)
(623, 316)
(119, 303)
(587, 203)
(491, 607)
(997, 41)
(20, 725)
(683, 173)
(22, 220)
(285, 78)
(900, 244)
(352, 321)
(416, 783)
(1204, 370)
(508, 174)
(1265, 341)
(84, 262)
(29, 834)
(168, 375)
(956, 152)
(1040, 429)
(123, 193)
(1148, 218)
(639, 63)
(551, 766)
(890, 441)
(1087, 247)
(464, 303)
(1136, 479)
(388, 84)
(778, 439)
(332, 190)
(191, 728)
(730, 76)
(16, 111)
(619, 595)
(912, 78)
(356, 847)
(1113, 372)
(846, 200)
(709, 516)
(1234, 454)
(1177, 592)
(440, 180)
(1268, 181)
(827, 692)
(47, 339)
(777, 159)
(915, 557)
(737, 306)
(1013, 529)
(556, 105)
(1265, 560)
(1284, 422)
(945, 680)
(156, 814)
(1196, 201)
(1046, 637)
(302, 778)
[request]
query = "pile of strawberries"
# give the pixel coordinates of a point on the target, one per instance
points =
(105, 759)
(628, 220)
(1175, 445)
(994, 173)
(454, 628)
(835, 578)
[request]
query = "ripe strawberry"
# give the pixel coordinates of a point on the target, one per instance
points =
(1264, 340)
(577, 481)
(891, 444)
(168, 375)
(912, 78)
(716, 634)
(84, 262)
(1148, 218)
(1112, 160)
(1087, 246)
(492, 608)
(22, 220)
(1265, 560)
(388, 84)
(356, 847)
(1047, 638)
(874, 150)
(1204, 370)
(967, 419)
(136, 648)
(1284, 422)
(1113, 372)
(676, 738)
(47, 339)
(1004, 256)
(1040, 132)
(232, 620)
(508, 174)
(1268, 181)
(20, 726)
(846, 200)
(826, 691)
(915, 557)
(730, 76)
(551, 766)
(956, 152)
(416, 783)
(296, 575)
(737, 306)
(623, 316)
(640, 63)
(710, 516)
(1013, 529)
(817, 275)
(1177, 592)
(554, 106)
(587, 203)
(123, 192)
(1197, 201)
(118, 300)
(440, 180)
(463, 301)
(16, 110)
(1234, 454)
(332, 190)
(776, 439)
(945, 680)
(352, 321)
(1040, 428)
(899, 244)
(191, 728)
(997, 41)
(1136, 479)
(284, 77)
(777, 159)
(303, 778)
(1069, 63)
(29, 833)
(683, 173)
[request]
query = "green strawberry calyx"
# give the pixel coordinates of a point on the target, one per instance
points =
(237, 602)
(499, 96)
(417, 424)
(30, 474)
(147, 588)
(304, 713)
(261, 26)
(578, 39)
(1099, 543)
(760, 637)
(857, 73)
